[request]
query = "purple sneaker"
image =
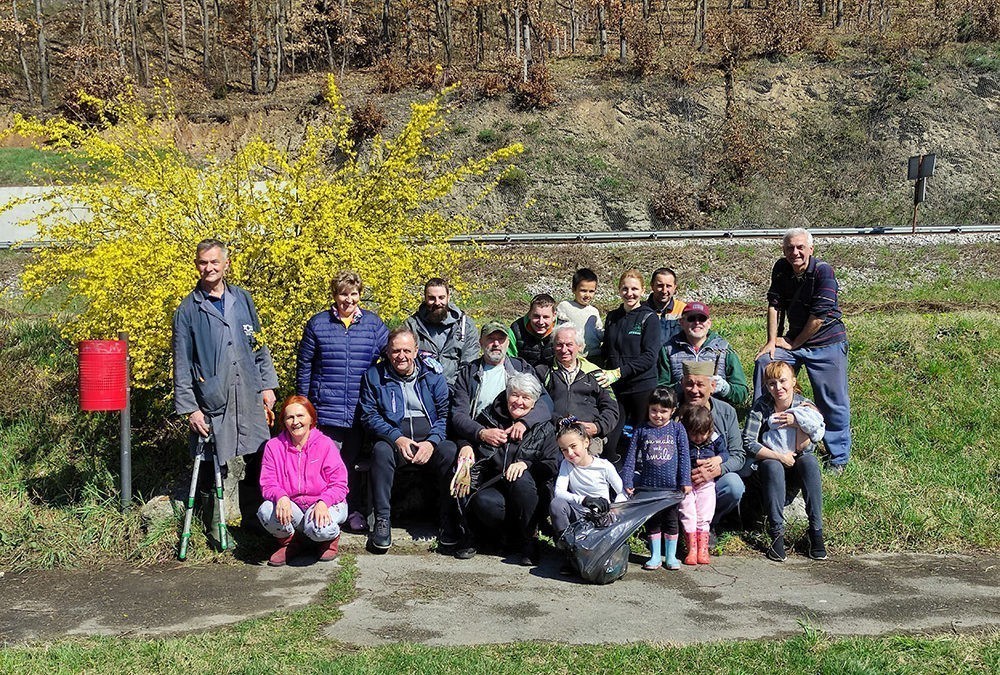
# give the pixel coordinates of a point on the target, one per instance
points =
(356, 523)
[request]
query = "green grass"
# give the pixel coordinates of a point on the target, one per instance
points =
(923, 367)
(292, 642)
(30, 166)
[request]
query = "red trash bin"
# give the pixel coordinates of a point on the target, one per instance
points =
(103, 379)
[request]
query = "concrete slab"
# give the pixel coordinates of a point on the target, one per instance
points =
(434, 600)
(156, 600)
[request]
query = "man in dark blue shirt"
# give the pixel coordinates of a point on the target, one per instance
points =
(804, 328)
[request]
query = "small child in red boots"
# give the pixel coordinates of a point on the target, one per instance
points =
(698, 506)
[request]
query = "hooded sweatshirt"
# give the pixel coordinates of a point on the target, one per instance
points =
(305, 476)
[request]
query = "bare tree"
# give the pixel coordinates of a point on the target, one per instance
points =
(700, 19)
(43, 55)
(19, 31)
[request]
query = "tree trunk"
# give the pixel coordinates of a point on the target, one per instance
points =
(517, 32)
(19, 45)
(700, 19)
(133, 21)
(386, 26)
(43, 55)
(622, 46)
(204, 38)
(253, 14)
(602, 30)
(526, 52)
(184, 31)
(838, 14)
(166, 38)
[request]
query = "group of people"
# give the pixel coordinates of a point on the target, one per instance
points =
(526, 426)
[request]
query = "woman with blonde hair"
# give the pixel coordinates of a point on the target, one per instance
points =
(338, 347)
(631, 347)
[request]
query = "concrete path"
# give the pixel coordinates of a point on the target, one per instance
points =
(439, 601)
(436, 600)
(157, 600)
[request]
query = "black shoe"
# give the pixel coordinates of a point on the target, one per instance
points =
(465, 552)
(834, 469)
(447, 537)
(381, 536)
(776, 551)
(817, 548)
(713, 540)
(528, 555)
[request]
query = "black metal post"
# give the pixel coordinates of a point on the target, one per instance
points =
(126, 429)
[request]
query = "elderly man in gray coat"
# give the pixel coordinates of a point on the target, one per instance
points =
(224, 379)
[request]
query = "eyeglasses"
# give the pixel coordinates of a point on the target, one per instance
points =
(696, 319)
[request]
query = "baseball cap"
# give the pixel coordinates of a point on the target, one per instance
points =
(696, 308)
(493, 327)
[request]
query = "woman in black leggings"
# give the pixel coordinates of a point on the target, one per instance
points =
(631, 345)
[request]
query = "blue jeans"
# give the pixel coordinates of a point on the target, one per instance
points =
(827, 371)
(780, 485)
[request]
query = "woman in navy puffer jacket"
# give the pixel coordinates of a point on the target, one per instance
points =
(338, 347)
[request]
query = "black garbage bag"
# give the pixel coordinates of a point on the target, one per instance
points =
(597, 545)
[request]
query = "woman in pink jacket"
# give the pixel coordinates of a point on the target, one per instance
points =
(304, 483)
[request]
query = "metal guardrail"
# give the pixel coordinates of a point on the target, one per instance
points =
(667, 235)
(680, 235)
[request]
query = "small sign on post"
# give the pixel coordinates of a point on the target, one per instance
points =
(919, 169)
(104, 387)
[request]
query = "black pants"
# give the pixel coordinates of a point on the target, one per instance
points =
(351, 441)
(665, 521)
(506, 505)
(633, 409)
(386, 458)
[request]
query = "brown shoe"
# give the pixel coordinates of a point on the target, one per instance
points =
(280, 557)
(328, 550)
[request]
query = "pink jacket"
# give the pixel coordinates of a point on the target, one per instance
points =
(315, 473)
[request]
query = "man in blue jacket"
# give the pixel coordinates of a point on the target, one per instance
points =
(404, 406)
(224, 379)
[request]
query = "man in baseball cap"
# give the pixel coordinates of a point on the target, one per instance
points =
(698, 342)
(481, 381)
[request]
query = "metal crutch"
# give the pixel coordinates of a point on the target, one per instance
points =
(186, 532)
(220, 501)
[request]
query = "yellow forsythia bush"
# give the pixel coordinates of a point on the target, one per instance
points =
(292, 220)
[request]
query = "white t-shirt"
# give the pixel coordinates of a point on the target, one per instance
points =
(587, 321)
(576, 482)
(494, 381)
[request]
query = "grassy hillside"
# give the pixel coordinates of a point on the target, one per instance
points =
(923, 352)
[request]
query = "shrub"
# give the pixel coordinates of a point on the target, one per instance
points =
(487, 136)
(394, 75)
(744, 148)
(676, 206)
(427, 74)
(367, 121)
(514, 178)
(539, 91)
(128, 262)
(784, 30)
